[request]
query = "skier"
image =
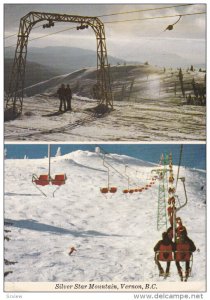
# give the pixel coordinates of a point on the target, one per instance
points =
(68, 96)
(180, 229)
(163, 252)
(72, 249)
(183, 252)
(61, 95)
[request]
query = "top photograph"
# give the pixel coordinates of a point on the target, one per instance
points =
(105, 72)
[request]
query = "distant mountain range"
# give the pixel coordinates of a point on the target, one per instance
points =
(34, 73)
(65, 59)
(44, 63)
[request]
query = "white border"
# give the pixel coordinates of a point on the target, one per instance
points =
(93, 296)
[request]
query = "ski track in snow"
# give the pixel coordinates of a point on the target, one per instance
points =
(147, 120)
(114, 235)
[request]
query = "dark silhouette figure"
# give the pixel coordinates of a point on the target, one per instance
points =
(61, 95)
(180, 229)
(164, 252)
(68, 94)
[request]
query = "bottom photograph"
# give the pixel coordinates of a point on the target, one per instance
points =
(105, 217)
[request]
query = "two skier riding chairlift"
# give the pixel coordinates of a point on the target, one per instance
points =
(179, 251)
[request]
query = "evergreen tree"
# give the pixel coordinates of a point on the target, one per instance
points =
(5, 153)
(58, 153)
(181, 81)
(97, 150)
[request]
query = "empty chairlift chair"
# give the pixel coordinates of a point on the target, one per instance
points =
(108, 189)
(59, 179)
(46, 179)
(41, 180)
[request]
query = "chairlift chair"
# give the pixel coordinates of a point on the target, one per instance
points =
(46, 179)
(125, 191)
(164, 254)
(108, 189)
(182, 252)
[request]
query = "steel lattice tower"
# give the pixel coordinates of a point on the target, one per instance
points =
(14, 100)
(162, 194)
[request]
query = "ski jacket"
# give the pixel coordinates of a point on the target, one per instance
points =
(184, 249)
(165, 242)
(188, 242)
(61, 92)
(68, 92)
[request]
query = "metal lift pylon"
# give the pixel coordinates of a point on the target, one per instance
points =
(162, 194)
(14, 98)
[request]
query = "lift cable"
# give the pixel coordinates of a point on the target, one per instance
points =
(122, 13)
(15, 34)
(143, 10)
(180, 159)
(115, 169)
(52, 33)
(114, 22)
(125, 165)
(152, 18)
(40, 37)
(107, 153)
(145, 174)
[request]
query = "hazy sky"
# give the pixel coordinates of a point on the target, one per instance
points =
(134, 40)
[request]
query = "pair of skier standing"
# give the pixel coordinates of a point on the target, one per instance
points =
(65, 96)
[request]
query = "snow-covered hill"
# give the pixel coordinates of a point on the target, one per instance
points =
(128, 82)
(146, 108)
(114, 234)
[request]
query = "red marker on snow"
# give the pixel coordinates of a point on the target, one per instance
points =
(72, 249)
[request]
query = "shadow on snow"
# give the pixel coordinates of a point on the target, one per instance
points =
(36, 226)
(19, 194)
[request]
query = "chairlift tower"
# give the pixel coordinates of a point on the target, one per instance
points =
(14, 99)
(162, 194)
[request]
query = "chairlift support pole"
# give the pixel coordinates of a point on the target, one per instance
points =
(127, 177)
(49, 156)
(107, 171)
(59, 179)
(185, 192)
(179, 208)
(180, 158)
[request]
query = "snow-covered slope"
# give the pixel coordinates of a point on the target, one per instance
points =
(114, 235)
(149, 120)
(148, 106)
